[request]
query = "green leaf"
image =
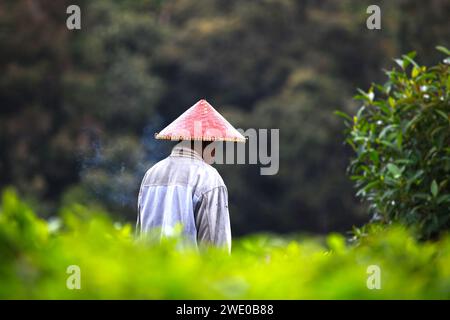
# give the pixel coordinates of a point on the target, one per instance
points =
(415, 72)
(443, 198)
(413, 121)
(416, 176)
(343, 115)
(385, 130)
(399, 140)
(444, 50)
(394, 170)
(399, 62)
(434, 188)
(388, 144)
(391, 102)
(421, 196)
(368, 187)
(409, 60)
(443, 114)
(411, 54)
(374, 157)
(368, 96)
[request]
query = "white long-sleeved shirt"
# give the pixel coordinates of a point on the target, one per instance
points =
(184, 189)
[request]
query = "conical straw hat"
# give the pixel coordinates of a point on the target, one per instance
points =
(201, 122)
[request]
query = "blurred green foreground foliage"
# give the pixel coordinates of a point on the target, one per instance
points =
(35, 255)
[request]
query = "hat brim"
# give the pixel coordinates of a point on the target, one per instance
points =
(189, 138)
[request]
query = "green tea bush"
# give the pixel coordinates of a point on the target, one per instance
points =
(35, 255)
(401, 140)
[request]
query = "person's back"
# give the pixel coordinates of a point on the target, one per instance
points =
(184, 189)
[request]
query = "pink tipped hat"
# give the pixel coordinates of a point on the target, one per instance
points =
(201, 122)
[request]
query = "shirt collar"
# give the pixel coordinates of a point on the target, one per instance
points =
(185, 152)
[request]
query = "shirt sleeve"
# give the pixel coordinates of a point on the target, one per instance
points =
(213, 219)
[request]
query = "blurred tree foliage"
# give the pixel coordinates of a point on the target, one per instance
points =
(401, 139)
(79, 108)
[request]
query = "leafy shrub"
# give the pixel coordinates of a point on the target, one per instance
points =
(35, 255)
(401, 137)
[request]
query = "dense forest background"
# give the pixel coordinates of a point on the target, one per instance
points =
(78, 109)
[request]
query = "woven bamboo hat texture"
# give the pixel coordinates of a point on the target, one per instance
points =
(200, 122)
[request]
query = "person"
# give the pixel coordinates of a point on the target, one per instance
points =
(184, 189)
